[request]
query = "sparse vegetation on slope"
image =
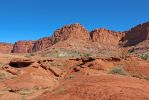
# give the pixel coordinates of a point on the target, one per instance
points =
(68, 54)
(119, 70)
(144, 56)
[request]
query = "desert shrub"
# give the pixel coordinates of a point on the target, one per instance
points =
(67, 54)
(118, 70)
(130, 51)
(144, 56)
(62, 54)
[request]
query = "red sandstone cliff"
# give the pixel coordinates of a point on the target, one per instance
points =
(106, 37)
(5, 47)
(137, 34)
(41, 44)
(73, 31)
(76, 33)
(23, 47)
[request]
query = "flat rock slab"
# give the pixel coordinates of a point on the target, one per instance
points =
(18, 62)
(56, 71)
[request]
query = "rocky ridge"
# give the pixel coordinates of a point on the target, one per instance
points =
(137, 34)
(76, 32)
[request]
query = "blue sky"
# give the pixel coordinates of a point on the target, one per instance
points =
(33, 19)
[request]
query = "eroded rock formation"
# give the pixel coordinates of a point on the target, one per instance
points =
(5, 47)
(106, 37)
(23, 47)
(76, 32)
(41, 44)
(137, 34)
(72, 31)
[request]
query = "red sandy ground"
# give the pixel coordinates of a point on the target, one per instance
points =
(62, 82)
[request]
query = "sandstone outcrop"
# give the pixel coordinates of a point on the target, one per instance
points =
(5, 47)
(23, 47)
(31, 46)
(137, 34)
(106, 37)
(73, 31)
(79, 37)
(41, 44)
(17, 62)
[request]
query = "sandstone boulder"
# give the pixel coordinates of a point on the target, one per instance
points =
(56, 71)
(11, 70)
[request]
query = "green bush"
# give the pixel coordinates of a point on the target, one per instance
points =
(144, 56)
(118, 70)
(130, 51)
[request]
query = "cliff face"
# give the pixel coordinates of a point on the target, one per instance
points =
(106, 37)
(73, 31)
(76, 33)
(41, 44)
(23, 47)
(5, 47)
(137, 34)
(31, 46)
